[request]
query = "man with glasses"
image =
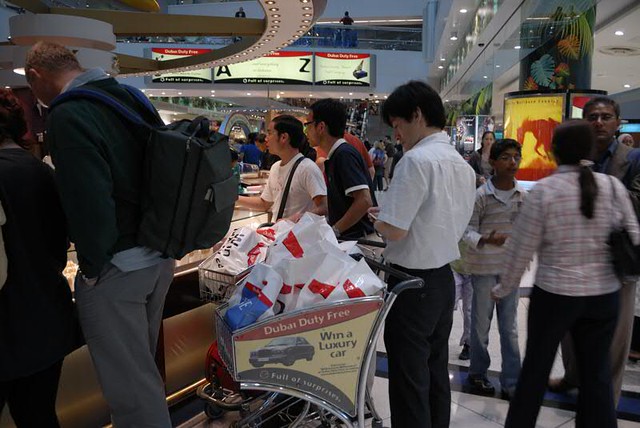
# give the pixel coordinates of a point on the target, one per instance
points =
(622, 162)
(349, 186)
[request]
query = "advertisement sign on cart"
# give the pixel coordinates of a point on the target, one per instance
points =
(317, 351)
(190, 76)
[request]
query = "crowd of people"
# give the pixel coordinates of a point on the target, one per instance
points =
(439, 212)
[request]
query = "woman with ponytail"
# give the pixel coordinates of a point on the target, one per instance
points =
(567, 219)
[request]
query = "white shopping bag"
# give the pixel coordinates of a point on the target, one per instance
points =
(242, 248)
(302, 238)
(360, 281)
(275, 231)
(255, 297)
(294, 273)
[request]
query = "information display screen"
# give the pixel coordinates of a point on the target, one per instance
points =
(343, 69)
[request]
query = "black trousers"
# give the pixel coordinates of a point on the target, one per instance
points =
(416, 336)
(592, 321)
(32, 399)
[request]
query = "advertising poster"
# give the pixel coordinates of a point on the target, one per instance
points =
(530, 120)
(190, 76)
(319, 351)
(343, 69)
(279, 68)
(466, 133)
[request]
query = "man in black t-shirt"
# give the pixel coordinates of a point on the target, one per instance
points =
(349, 186)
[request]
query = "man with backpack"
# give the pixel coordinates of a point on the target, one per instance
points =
(379, 159)
(121, 287)
(295, 184)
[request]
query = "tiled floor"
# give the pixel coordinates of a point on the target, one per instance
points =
(469, 410)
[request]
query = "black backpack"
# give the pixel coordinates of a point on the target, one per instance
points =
(189, 190)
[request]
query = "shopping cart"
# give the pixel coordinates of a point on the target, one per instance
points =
(315, 360)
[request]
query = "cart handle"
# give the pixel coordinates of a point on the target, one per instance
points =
(369, 243)
(408, 281)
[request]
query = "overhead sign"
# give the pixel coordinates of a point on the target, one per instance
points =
(190, 76)
(343, 69)
(279, 68)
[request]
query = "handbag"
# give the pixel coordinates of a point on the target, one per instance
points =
(625, 255)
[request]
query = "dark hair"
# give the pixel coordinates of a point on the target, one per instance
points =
(333, 113)
(261, 138)
(234, 155)
(12, 122)
(600, 100)
(572, 142)
(501, 146)
(252, 137)
(484, 134)
(406, 99)
(293, 127)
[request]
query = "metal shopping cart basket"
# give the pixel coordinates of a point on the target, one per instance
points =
(318, 355)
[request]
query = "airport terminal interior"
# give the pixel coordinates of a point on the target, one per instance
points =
(517, 68)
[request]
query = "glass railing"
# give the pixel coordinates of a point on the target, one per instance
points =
(320, 36)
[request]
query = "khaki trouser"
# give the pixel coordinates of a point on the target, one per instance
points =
(619, 346)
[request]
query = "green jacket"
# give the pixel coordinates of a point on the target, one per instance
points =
(99, 166)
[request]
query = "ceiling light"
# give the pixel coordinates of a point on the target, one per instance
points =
(385, 97)
(7, 87)
(300, 31)
(273, 31)
(497, 65)
(306, 14)
(281, 93)
(150, 95)
(200, 97)
(275, 26)
(273, 9)
(179, 93)
(627, 85)
(463, 11)
(275, 15)
(270, 2)
(249, 93)
(304, 1)
(306, 8)
(485, 77)
(517, 47)
(311, 95)
(163, 93)
(446, 101)
(278, 96)
(454, 36)
(442, 59)
(143, 91)
(276, 21)
(619, 33)
(350, 93)
(306, 21)
(440, 67)
(375, 96)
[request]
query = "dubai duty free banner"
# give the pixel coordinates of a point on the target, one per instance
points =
(318, 351)
(189, 76)
(343, 69)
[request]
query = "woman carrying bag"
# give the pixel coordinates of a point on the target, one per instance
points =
(567, 220)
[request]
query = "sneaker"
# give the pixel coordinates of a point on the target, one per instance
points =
(464, 354)
(480, 385)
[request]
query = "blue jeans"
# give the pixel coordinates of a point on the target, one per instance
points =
(481, 314)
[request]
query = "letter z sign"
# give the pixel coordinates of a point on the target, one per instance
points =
(279, 68)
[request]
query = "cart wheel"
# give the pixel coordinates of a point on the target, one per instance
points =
(212, 411)
(376, 423)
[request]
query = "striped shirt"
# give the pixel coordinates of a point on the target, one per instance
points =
(573, 255)
(490, 213)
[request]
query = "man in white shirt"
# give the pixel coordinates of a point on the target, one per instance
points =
(308, 191)
(425, 213)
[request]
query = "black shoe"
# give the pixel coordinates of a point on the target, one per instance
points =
(505, 394)
(480, 385)
(464, 354)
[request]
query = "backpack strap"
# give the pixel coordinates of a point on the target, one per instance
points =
(115, 104)
(285, 195)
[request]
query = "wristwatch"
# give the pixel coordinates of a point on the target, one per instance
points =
(335, 230)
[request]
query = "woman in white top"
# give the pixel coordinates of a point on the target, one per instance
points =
(567, 220)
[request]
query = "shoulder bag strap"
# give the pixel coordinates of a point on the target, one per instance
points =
(285, 195)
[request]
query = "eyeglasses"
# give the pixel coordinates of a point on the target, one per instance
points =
(601, 117)
(516, 158)
(309, 123)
